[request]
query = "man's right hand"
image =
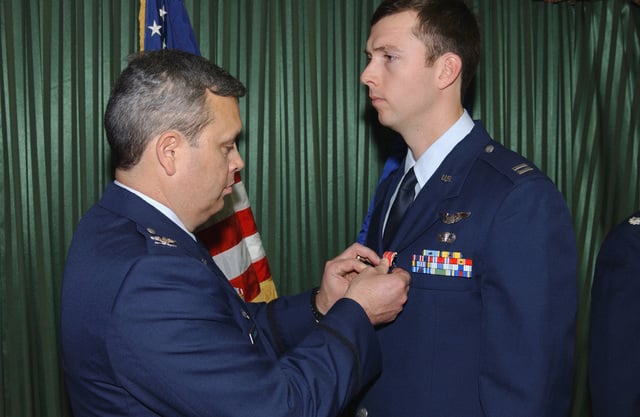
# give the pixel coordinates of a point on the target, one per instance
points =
(381, 294)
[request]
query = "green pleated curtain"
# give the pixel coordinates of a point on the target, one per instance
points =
(557, 82)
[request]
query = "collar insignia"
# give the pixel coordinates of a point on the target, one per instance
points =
(159, 240)
(164, 241)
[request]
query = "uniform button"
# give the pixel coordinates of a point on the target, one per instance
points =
(245, 315)
(204, 261)
(362, 412)
(489, 148)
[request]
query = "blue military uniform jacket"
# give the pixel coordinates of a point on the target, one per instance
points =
(614, 367)
(151, 327)
(498, 341)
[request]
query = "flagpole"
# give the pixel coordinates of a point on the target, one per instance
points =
(141, 21)
(232, 238)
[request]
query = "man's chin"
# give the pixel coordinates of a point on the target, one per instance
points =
(384, 121)
(219, 205)
(216, 208)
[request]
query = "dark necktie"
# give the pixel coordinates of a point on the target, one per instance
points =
(403, 200)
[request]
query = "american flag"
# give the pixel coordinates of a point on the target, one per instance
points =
(231, 235)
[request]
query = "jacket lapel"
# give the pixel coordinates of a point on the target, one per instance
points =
(445, 183)
(381, 206)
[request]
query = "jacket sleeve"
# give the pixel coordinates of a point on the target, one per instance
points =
(284, 321)
(181, 345)
(614, 368)
(529, 297)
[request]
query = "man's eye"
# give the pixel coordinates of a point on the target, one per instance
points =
(390, 58)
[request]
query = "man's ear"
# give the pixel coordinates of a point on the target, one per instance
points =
(166, 147)
(450, 70)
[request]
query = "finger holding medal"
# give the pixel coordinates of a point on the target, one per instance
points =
(338, 273)
(351, 262)
(381, 293)
(362, 254)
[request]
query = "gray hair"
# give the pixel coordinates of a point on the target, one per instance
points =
(160, 91)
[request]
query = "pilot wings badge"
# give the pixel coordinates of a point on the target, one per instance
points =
(452, 218)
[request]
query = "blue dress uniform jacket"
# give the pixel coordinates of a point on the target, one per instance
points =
(500, 342)
(614, 367)
(151, 327)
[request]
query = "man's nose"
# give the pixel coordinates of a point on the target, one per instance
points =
(367, 77)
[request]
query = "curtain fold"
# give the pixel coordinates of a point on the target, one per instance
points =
(58, 61)
(557, 82)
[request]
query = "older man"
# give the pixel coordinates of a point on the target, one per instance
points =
(150, 326)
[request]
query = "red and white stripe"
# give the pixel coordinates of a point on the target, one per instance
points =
(235, 245)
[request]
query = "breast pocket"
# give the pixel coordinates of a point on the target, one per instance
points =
(434, 282)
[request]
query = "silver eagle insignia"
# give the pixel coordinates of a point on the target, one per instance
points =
(164, 241)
